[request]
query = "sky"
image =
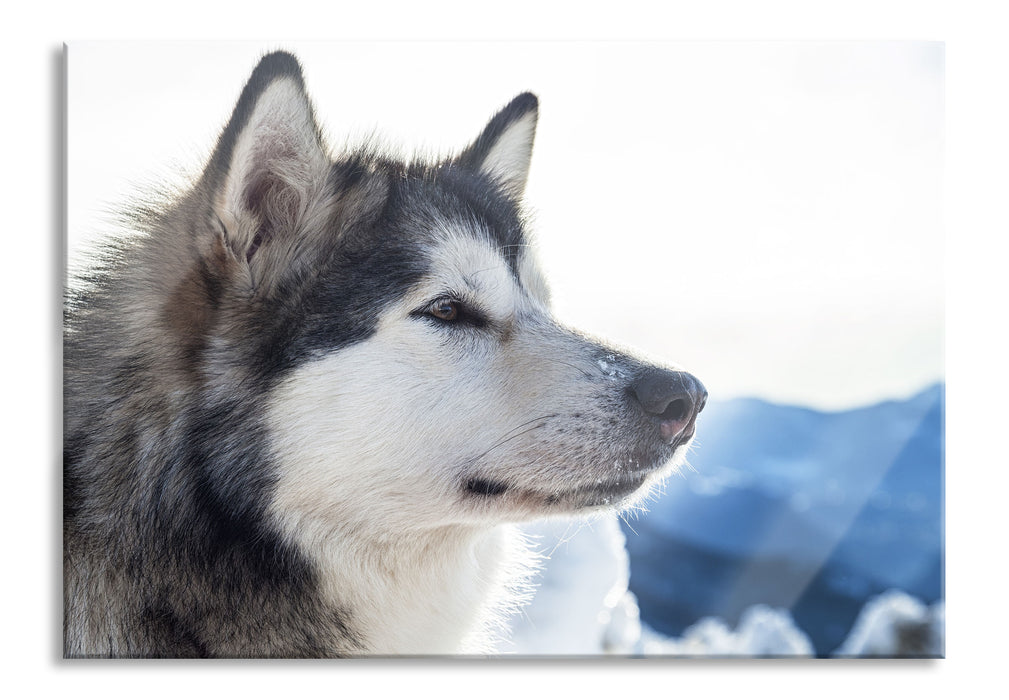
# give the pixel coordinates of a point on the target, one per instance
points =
(765, 214)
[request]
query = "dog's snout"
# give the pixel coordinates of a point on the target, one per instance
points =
(672, 398)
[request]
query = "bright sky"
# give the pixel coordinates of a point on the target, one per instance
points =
(765, 214)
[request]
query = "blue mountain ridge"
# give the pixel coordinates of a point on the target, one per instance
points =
(812, 511)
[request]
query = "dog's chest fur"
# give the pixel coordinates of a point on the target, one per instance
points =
(443, 592)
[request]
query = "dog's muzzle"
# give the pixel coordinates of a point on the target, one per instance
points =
(671, 400)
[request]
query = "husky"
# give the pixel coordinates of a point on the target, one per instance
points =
(306, 403)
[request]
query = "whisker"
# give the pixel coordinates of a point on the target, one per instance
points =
(561, 540)
(533, 420)
(623, 518)
(562, 362)
(509, 436)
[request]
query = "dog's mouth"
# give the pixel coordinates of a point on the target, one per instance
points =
(597, 493)
(602, 493)
(615, 486)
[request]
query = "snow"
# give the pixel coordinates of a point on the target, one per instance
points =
(613, 372)
(583, 607)
(896, 624)
(762, 631)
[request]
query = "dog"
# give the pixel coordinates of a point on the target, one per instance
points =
(306, 403)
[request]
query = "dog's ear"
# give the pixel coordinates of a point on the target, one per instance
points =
(268, 172)
(504, 149)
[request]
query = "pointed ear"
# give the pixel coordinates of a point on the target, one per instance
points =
(504, 149)
(270, 164)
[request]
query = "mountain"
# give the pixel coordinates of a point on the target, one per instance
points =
(811, 511)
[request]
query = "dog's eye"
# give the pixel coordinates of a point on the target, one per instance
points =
(451, 311)
(444, 309)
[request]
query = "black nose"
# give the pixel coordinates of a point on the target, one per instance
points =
(672, 398)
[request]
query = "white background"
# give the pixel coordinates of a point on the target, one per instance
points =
(976, 184)
(766, 214)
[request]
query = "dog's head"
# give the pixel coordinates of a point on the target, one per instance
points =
(396, 317)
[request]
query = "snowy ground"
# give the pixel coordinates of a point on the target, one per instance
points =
(583, 607)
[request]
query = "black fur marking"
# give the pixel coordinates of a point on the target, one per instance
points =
(340, 308)
(229, 491)
(171, 633)
(485, 487)
(373, 263)
(468, 201)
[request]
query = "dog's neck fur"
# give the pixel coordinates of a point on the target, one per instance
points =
(440, 591)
